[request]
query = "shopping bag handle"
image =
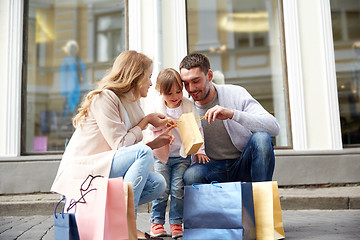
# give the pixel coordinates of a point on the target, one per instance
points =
(73, 202)
(71, 205)
(62, 212)
(212, 183)
(194, 185)
(88, 186)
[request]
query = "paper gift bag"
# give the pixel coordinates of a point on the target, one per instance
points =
(101, 214)
(269, 224)
(190, 133)
(130, 210)
(219, 211)
(65, 225)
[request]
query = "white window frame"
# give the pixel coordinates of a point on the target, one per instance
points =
(11, 117)
(295, 77)
(330, 73)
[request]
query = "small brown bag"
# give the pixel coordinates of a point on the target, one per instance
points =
(130, 209)
(268, 218)
(190, 134)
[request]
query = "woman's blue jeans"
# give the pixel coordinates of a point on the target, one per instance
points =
(255, 164)
(173, 172)
(134, 163)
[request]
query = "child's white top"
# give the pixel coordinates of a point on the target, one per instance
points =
(158, 105)
(175, 113)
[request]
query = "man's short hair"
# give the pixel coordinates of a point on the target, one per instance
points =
(195, 60)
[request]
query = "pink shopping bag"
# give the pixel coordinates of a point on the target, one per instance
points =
(101, 212)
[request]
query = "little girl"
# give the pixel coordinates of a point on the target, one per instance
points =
(171, 161)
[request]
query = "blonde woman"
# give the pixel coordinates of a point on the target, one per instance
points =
(108, 133)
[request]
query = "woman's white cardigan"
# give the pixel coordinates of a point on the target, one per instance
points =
(93, 145)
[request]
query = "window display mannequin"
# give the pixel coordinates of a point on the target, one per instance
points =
(73, 78)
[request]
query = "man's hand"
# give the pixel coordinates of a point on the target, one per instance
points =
(202, 158)
(162, 140)
(218, 112)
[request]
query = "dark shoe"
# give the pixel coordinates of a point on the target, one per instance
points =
(147, 236)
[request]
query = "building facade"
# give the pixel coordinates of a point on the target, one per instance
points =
(299, 59)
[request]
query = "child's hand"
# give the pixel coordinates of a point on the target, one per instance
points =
(171, 122)
(202, 158)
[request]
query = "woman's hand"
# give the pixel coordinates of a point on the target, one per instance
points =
(202, 158)
(162, 140)
(155, 119)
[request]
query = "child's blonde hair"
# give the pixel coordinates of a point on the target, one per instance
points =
(166, 79)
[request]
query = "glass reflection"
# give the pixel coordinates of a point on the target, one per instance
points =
(346, 34)
(70, 45)
(242, 39)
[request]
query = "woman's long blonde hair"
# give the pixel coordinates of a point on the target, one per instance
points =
(127, 73)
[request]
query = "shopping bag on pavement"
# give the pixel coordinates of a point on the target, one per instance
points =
(65, 224)
(219, 211)
(190, 134)
(130, 210)
(102, 212)
(268, 218)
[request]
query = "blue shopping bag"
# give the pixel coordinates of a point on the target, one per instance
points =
(219, 211)
(65, 224)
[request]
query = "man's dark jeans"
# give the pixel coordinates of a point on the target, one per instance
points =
(255, 164)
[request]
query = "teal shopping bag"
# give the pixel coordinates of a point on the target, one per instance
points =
(219, 211)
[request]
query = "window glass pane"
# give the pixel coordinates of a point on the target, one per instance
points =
(242, 40)
(106, 23)
(346, 34)
(336, 25)
(69, 46)
(353, 20)
(109, 34)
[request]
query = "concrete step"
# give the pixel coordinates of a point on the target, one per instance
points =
(299, 198)
(325, 198)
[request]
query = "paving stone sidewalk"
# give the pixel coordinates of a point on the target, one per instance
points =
(335, 214)
(346, 197)
(298, 224)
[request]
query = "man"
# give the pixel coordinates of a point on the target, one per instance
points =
(237, 128)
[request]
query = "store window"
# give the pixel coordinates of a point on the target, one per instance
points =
(346, 34)
(109, 33)
(68, 48)
(243, 40)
